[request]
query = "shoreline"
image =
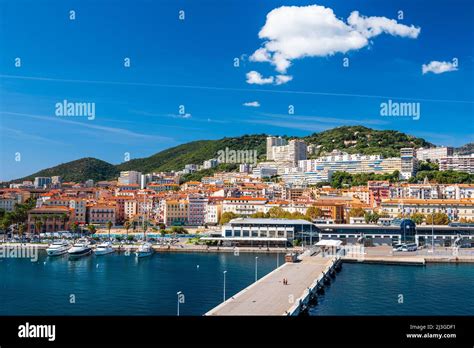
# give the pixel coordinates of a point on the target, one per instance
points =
(366, 259)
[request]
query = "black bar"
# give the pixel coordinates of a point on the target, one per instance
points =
(242, 331)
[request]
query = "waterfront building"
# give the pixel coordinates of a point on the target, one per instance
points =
(244, 205)
(176, 212)
(129, 209)
(213, 211)
(196, 210)
(277, 231)
(53, 219)
(101, 213)
(80, 209)
(433, 154)
(458, 163)
(456, 209)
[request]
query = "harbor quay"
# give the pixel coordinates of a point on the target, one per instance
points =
(285, 291)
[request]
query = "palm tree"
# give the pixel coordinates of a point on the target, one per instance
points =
(39, 226)
(21, 230)
(127, 226)
(91, 229)
(109, 226)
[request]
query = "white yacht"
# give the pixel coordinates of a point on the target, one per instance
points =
(104, 248)
(57, 248)
(80, 248)
(144, 250)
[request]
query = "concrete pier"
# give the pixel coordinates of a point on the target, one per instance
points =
(269, 296)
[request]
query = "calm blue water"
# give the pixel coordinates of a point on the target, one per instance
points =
(122, 285)
(436, 289)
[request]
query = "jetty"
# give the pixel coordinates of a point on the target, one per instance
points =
(270, 296)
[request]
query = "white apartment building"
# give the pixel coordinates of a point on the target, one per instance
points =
(460, 191)
(8, 201)
(408, 162)
(244, 205)
(279, 150)
(272, 142)
(41, 182)
(433, 154)
(416, 191)
(130, 177)
(212, 213)
(264, 172)
(458, 163)
(455, 209)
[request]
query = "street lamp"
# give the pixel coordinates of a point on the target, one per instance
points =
(256, 267)
(224, 285)
(178, 294)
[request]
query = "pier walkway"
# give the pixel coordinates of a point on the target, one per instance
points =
(269, 296)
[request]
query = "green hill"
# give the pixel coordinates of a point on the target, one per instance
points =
(367, 141)
(350, 139)
(79, 170)
(194, 152)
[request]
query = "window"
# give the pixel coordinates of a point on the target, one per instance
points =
(228, 233)
(245, 233)
(237, 233)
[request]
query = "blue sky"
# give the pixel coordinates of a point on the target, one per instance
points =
(190, 62)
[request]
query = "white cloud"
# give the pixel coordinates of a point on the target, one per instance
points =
(292, 32)
(373, 26)
(254, 104)
(255, 78)
(282, 79)
(438, 67)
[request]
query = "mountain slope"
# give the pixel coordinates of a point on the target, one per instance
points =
(359, 139)
(194, 152)
(79, 170)
(466, 149)
(350, 139)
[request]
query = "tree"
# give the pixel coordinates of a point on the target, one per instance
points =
(21, 230)
(417, 218)
(39, 226)
(127, 226)
(109, 226)
(74, 226)
(314, 212)
(371, 217)
(226, 217)
(91, 228)
(356, 212)
(276, 212)
(437, 219)
(163, 234)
